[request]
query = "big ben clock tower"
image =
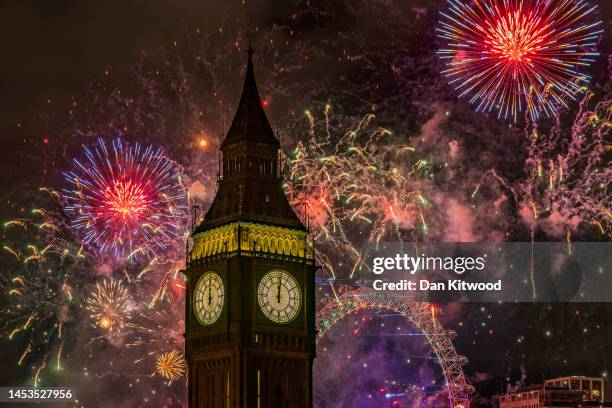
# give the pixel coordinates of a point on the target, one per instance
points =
(250, 312)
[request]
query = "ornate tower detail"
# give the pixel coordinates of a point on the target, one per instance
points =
(250, 311)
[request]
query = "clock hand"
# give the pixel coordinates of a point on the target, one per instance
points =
(278, 293)
(209, 294)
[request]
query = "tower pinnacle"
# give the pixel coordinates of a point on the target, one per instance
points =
(250, 186)
(250, 114)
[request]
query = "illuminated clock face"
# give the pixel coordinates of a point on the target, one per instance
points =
(279, 296)
(208, 298)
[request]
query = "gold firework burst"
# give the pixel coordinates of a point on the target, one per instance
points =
(171, 365)
(109, 305)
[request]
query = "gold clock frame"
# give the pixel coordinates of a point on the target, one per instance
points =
(195, 311)
(299, 289)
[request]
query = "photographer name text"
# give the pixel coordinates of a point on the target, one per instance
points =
(426, 285)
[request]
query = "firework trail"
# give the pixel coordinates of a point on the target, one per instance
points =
(142, 184)
(162, 111)
(566, 187)
(355, 184)
(567, 179)
(152, 329)
(52, 296)
(516, 55)
(42, 280)
(128, 200)
(164, 271)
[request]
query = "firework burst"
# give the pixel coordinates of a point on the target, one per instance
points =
(127, 200)
(359, 183)
(568, 182)
(156, 328)
(171, 365)
(110, 306)
(567, 185)
(511, 55)
(43, 267)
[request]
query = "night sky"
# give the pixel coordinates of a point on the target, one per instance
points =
(170, 74)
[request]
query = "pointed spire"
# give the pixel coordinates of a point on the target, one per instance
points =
(250, 121)
(250, 49)
(252, 189)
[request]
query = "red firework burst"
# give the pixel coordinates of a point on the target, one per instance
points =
(127, 200)
(509, 55)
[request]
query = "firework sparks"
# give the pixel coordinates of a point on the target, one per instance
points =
(171, 365)
(127, 200)
(515, 55)
(567, 184)
(388, 199)
(41, 302)
(155, 328)
(355, 181)
(110, 306)
(53, 290)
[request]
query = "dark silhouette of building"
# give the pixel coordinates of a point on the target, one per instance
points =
(568, 392)
(592, 388)
(250, 312)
